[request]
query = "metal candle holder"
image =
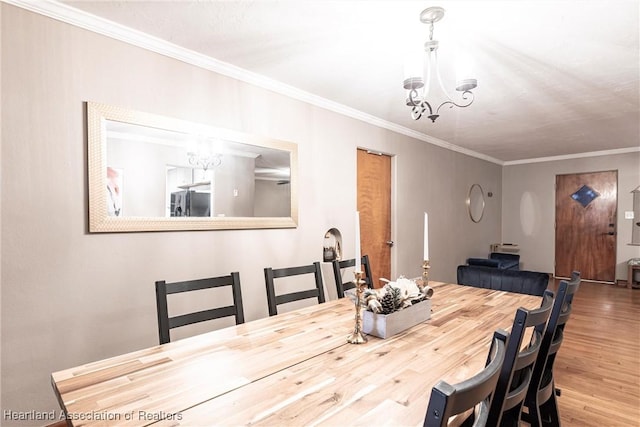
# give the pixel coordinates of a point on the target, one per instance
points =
(425, 272)
(357, 337)
(423, 283)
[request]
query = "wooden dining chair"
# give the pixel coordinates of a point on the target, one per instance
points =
(540, 404)
(274, 300)
(166, 323)
(338, 266)
(450, 400)
(517, 368)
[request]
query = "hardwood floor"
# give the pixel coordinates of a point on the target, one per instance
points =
(598, 365)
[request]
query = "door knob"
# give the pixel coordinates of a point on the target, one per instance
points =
(390, 243)
(611, 233)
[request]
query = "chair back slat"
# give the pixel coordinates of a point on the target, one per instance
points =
(296, 296)
(517, 368)
(516, 397)
(448, 400)
(293, 271)
(540, 399)
(342, 286)
(199, 284)
(273, 300)
(201, 316)
(163, 289)
(528, 356)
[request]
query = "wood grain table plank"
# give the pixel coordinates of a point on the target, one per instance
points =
(380, 382)
(175, 376)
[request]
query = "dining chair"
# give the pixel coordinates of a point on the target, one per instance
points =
(338, 266)
(166, 323)
(273, 300)
(517, 368)
(450, 400)
(540, 404)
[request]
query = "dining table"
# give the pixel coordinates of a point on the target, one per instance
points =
(293, 369)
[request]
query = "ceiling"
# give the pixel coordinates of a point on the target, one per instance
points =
(555, 78)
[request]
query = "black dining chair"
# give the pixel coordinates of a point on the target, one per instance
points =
(540, 404)
(473, 394)
(274, 300)
(338, 266)
(166, 323)
(517, 368)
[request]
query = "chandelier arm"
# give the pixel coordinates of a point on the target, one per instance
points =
(418, 110)
(455, 104)
(414, 97)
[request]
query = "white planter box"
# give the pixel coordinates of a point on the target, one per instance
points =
(387, 325)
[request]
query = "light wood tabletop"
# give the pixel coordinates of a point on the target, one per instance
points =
(293, 369)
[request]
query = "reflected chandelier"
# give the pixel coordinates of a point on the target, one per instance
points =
(418, 91)
(204, 156)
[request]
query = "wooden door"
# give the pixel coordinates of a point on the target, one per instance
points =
(374, 204)
(586, 225)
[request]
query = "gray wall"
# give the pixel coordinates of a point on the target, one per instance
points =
(528, 210)
(235, 173)
(272, 199)
(70, 297)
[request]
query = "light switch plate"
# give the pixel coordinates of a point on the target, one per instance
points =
(628, 214)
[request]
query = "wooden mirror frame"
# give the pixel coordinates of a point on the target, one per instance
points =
(101, 222)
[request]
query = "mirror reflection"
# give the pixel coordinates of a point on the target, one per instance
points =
(161, 173)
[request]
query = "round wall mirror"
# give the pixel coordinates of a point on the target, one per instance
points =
(475, 203)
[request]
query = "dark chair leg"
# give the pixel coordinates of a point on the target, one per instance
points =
(532, 416)
(549, 412)
(511, 418)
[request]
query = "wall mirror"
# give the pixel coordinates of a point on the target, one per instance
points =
(475, 203)
(154, 173)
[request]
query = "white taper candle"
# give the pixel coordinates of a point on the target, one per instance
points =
(358, 257)
(426, 236)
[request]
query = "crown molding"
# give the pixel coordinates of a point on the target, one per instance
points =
(79, 18)
(76, 17)
(573, 156)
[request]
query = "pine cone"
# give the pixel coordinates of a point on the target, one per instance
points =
(391, 301)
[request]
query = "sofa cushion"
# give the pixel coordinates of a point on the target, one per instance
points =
(519, 281)
(506, 261)
(484, 262)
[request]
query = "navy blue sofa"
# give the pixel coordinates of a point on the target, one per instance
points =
(519, 281)
(497, 260)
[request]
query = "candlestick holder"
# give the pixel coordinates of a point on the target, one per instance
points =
(425, 272)
(423, 283)
(357, 337)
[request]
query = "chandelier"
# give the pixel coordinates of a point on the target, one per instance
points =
(204, 156)
(419, 92)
